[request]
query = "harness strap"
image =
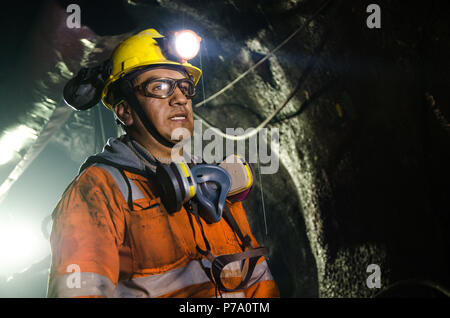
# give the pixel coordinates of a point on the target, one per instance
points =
(246, 241)
(249, 258)
(207, 253)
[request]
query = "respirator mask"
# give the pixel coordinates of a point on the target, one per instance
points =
(208, 185)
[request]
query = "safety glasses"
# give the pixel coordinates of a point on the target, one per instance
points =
(164, 87)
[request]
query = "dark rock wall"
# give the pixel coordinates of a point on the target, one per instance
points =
(364, 151)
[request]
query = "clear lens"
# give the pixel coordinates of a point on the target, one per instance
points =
(187, 87)
(164, 87)
(159, 87)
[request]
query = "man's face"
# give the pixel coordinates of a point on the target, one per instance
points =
(169, 113)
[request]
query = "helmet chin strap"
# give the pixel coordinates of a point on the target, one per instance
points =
(128, 92)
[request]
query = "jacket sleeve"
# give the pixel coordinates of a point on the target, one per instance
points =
(261, 284)
(88, 228)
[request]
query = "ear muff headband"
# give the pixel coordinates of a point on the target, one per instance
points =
(190, 184)
(184, 176)
(181, 182)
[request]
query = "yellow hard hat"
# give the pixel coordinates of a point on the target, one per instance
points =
(139, 51)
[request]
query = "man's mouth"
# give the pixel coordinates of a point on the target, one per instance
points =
(178, 117)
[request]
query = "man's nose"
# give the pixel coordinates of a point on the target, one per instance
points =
(178, 98)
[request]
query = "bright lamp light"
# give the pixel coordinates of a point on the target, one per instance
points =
(13, 140)
(187, 44)
(21, 244)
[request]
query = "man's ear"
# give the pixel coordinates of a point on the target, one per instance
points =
(123, 113)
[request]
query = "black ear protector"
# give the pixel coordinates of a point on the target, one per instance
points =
(177, 185)
(207, 184)
(85, 89)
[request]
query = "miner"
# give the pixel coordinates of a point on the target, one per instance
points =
(137, 223)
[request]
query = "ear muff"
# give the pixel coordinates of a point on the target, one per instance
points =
(213, 185)
(85, 89)
(177, 185)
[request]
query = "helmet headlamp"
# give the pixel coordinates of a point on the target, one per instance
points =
(184, 44)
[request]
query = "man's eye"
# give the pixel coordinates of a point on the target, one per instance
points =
(160, 87)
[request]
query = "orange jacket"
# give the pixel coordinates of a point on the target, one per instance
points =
(102, 248)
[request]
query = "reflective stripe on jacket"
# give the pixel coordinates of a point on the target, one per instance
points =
(142, 252)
